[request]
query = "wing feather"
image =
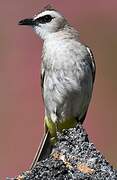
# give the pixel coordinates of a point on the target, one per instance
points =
(92, 64)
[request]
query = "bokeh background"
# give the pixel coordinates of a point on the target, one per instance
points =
(21, 105)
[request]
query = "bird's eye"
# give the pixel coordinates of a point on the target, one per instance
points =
(44, 19)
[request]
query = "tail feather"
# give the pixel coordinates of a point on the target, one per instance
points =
(43, 150)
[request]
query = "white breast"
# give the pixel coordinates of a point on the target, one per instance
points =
(68, 79)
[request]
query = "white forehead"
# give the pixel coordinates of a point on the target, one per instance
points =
(47, 12)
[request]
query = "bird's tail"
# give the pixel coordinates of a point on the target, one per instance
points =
(43, 150)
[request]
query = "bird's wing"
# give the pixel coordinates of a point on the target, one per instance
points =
(42, 77)
(92, 63)
(93, 70)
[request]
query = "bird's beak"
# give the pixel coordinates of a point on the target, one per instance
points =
(27, 22)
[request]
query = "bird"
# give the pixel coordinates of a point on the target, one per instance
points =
(67, 75)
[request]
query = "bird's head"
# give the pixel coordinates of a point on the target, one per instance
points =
(47, 21)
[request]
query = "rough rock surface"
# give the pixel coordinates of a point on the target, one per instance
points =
(73, 158)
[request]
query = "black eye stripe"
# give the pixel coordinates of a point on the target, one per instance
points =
(44, 19)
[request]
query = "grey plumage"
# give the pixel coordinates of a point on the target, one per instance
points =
(67, 73)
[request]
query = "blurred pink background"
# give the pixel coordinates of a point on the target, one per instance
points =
(21, 105)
